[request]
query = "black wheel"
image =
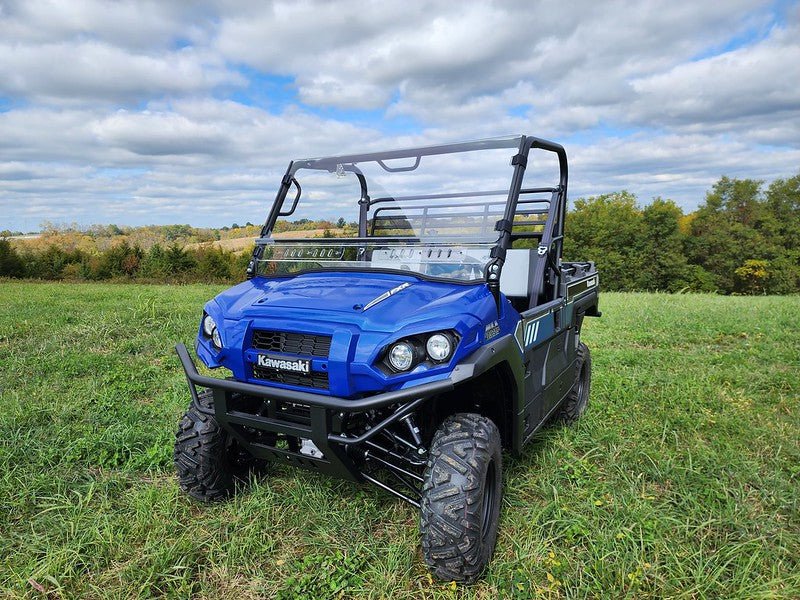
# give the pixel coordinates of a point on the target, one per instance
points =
(208, 460)
(575, 403)
(461, 497)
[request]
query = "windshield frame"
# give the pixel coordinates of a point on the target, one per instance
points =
(550, 235)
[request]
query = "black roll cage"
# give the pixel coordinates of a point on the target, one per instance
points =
(551, 238)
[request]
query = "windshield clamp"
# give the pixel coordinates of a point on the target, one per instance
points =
(504, 225)
(498, 252)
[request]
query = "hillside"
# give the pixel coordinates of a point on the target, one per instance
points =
(244, 244)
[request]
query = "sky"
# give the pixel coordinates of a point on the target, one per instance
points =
(167, 111)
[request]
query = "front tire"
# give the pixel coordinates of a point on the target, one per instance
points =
(208, 460)
(461, 496)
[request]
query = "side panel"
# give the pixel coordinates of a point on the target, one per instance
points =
(555, 367)
(548, 342)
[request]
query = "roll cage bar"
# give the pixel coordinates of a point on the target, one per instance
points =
(551, 236)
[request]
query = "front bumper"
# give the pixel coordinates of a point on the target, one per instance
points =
(323, 426)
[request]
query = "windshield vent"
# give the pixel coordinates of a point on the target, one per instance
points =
(301, 344)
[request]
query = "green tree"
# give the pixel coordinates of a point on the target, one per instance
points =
(783, 202)
(175, 232)
(11, 264)
(213, 264)
(732, 226)
(48, 264)
(663, 263)
(154, 264)
(608, 229)
(121, 260)
(178, 261)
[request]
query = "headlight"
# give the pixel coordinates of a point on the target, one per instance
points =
(216, 338)
(401, 356)
(209, 325)
(439, 347)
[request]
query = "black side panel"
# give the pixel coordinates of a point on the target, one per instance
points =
(538, 331)
(549, 341)
(534, 389)
(556, 364)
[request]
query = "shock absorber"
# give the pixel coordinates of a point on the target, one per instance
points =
(414, 431)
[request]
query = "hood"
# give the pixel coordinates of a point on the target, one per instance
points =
(343, 297)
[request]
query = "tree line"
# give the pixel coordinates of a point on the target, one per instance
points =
(124, 262)
(744, 239)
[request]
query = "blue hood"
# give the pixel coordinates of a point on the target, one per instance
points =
(331, 304)
(342, 296)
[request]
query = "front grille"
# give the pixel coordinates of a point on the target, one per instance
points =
(301, 344)
(314, 379)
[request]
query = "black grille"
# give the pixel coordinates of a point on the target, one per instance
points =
(314, 379)
(302, 344)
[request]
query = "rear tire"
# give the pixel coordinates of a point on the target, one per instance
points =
(461, 496)
(208, 460)
(577, 400)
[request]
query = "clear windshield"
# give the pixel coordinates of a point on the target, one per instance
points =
(463, 262)
(430, 211)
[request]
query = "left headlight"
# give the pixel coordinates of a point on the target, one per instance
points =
(432, 349)
(439, 347)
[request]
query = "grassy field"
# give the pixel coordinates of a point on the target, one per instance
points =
(682, 480)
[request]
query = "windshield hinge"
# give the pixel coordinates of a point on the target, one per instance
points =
(493, 271)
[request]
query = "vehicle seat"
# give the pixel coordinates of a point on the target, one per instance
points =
(518, 273)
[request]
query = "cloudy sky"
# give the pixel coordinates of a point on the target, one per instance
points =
(175, 112)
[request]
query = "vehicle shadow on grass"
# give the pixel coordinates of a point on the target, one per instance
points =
(292, 485)
(531, 454)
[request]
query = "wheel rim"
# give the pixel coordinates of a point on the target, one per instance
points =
(489, 498)
(582, 385)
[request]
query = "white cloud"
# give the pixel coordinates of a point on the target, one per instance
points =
(164, 111)
(67, 72)
(156, 134)
(740, 90)
(132, 24)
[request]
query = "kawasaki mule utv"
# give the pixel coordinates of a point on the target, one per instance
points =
(407, 347)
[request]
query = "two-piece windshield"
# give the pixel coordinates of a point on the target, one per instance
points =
(429, 211)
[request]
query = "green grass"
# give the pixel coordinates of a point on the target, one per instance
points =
(681, 481)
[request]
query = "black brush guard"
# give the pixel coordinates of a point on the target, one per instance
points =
(324, 423)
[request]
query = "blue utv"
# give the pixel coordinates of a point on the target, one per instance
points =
(406, 345)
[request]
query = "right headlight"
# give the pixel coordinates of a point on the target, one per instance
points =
(209, 325)
(401, 356)
(216, 339)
